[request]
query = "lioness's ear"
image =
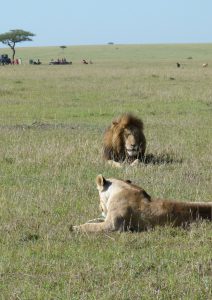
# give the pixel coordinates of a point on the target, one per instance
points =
(147, 197)
(128, 181)
(100, 181)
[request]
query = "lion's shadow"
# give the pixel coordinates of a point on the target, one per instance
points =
(164, 158)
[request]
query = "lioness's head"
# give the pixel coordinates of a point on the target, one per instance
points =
(102, 187)
(108, 188)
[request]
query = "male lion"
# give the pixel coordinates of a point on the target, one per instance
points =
(124, 141)
(126, 206)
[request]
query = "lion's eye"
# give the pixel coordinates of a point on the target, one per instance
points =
(127, 134)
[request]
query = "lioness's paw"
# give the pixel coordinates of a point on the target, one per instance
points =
(73, 228)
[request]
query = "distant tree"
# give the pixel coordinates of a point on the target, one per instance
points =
(63, 47)
(15, 36)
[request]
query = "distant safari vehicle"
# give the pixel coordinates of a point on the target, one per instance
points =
(4, 59)
(62, 61)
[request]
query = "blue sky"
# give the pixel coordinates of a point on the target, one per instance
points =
(68, 22)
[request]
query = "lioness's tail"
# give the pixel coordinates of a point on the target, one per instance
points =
(196, 210)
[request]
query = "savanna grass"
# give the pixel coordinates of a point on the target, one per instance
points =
(51, 123)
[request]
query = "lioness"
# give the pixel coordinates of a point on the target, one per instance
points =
(124, 141)
(126, 206)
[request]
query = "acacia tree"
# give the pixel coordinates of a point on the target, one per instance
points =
(15, 36)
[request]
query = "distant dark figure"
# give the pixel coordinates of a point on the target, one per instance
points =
(204, 65)
(37, 62)
(178, 64)
(5, 60)
(84, 62)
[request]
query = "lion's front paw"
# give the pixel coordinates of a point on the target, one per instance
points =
(136, 162)
(115, 164)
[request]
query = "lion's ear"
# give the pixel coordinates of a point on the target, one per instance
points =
(114, 123)
(100, 181)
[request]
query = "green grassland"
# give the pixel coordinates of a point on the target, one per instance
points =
(52, 119)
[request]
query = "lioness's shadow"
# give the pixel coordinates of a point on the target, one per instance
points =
(160, 159)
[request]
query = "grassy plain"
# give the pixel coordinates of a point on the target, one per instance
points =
(51, 123)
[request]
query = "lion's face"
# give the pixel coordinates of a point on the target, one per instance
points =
(124, 140)
(132, 140)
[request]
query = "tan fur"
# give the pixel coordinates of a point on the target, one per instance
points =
(128, 207)
(124, 140)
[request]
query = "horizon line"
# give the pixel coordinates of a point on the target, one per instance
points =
(110, 44)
